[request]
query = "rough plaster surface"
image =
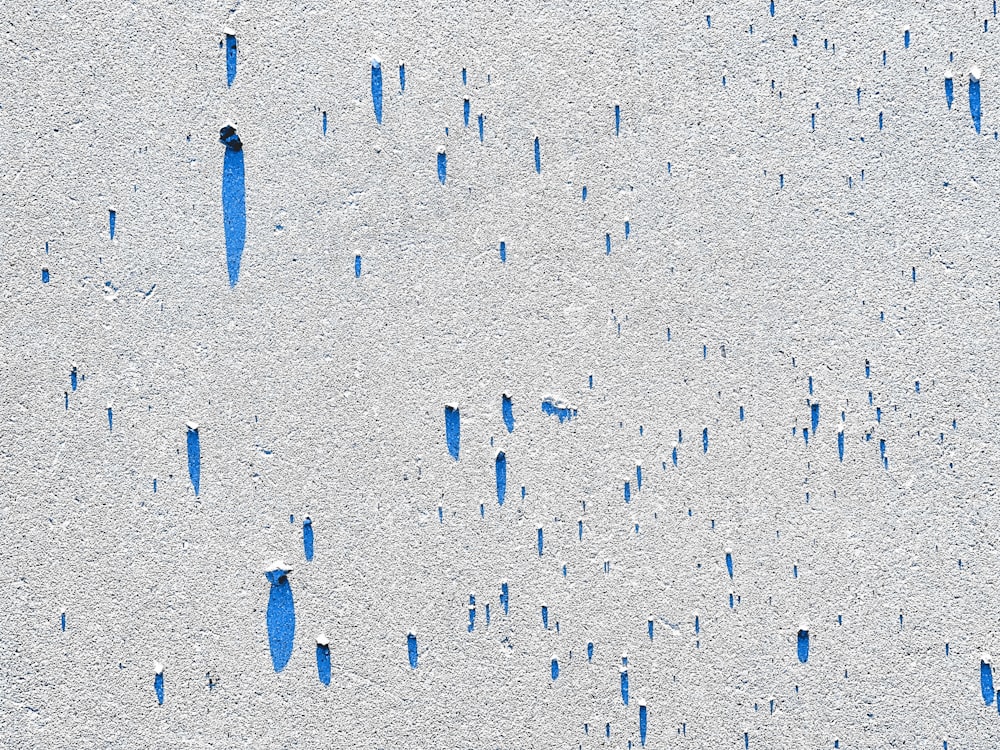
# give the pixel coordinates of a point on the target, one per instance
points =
(770, 251)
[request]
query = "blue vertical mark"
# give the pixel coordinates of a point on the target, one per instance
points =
(628, 492)
(781, 181)
(158, 684)
(465, 79)
(154, 485)
(487, 614)
(624, 686)
(505, 597)
(607, 244)
(402, 77)
(472, 612)
(72, 378)
(507, 408)
(377, 90)
(324, 122)
(916, 386)
(741, 413)
(230, 59)
(465, 111)
(501, 477)
(307, 538)
(986, 679)
(112, 216)
(906, 38)
(913, 274)
(673, 455)
(479, 120)
(746, 741)
(858, 94)
(868, 369)
(949, 90)
(452, 429)
(814, 416)
(323, 659)
(194, 456)
(704, 440)
(541, 541)
(590, 381)
(795, 40)
(974, 103)
(810, 385)
(66, 400)
(729, 563)
(883, 58)
(618, 119)
(579, 529)
(840, 444)
(649, 628)
(628, 229)
(280, 616)
(63, 621)
(638, 472)
(111, 423)
(234, 209)
(411, 648)
(879, 120)
(555, 668)
(642, 723)
(45, 276)
(442, 162)
(545, 617)
(803, 645)
(583, 194)
(538, 156)
(708, 22)
(503, 251)
(772, 8)
(357, 266)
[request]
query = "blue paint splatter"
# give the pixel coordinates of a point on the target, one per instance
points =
(563, 412)
(501, 466)
(507, 408)
(974, 103)
(480, 119)
(111, 423)
(230, 59)
(803, 645)
(642, 723)
(72, 378)
(840, 445)
(402, 77)
(503, 251)
(704, 440)
(411, 649)
(472, 612)
(45, 276)
(323, 659)
(234, 209)
(465, 111)
(628, 493)
(324, 122)
(906, 38)
(729, 563)
(158, 684)
(618, 119)
(377, 90)
(452, 429)
(607, 244)
(442, 162)
(357, 266)
(194, 456)
(814, 416)
(555, 668)
(63, 621)
(590, 651)
(949, 90)
(541, 541)
(986, 679)
(624, 686)
(280, 616)
(307, 538)
(112, 218)
(505, 597)
(538, 156)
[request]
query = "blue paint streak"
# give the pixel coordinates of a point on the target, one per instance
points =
(986, 682)
(230, 59)
(307, 538)
(377, 91)
(704, 440)
(501, 477)
(503, 251)
(452, 429)
(45, 276)
(411, 649)
(814, 416)
(563, 412)
(729, 564)
(545, 617)
(642, 724)
(949, 91)
(194, 459)
(974, 104)
(624, 686)
(607, 244)
(357, 266)
(158, 687)
(442, 160)
(323, 663)
(673, 456)
(541, 541)
(111, 424)
(628, 492)
(555, 669)
(906, 39)
(840, 445)
(63, 621)
(280, 618)
(465, 111)
(590, 651)
(508, 413)
(618, 119)
(72, 378)
(505, 597)
(234, 209)
(472, 613)
(324, 123)
(402, 77)
(112, 217)
(772, 8)
(638, 472)
(583, 194)
(803, 646)
(480, 118)
(538, 156)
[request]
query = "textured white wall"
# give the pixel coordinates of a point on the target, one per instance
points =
(321, 394)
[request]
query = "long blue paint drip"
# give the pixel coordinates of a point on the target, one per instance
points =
(975, 107)
(194, 457)
(323, 659)
(307, 538)
(230, 59)
(452, 428)
(501, 477)
(234, 206)
(280, 616)
(377, 90)
(507, 408)
(411, 649)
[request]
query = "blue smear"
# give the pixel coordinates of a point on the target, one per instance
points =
(618, 119)
(72, 378)
(508, 412)
(194, 458)
(63, 621)
(442, 166)
(377, 90)
(858, 94)
(704, 440)
(840, 445)
(949, 91)
(814, 416)
(541, 541)
(772, 8)
(579, 529)
(465, 111)
(628, 493)
(607, 244)
(563, 412)
(45, 276)
(487, 614)
(357, 266)
(642, 724)
(729, 564)
(986, 682)
(501, 477)
(708, 22)
(503, 251)
(879, 120)
(472, 612)
(673, 456)
(280, 618)
(66, 403)
(590, 380)
(112, 216)
(906, 39)
(624, 684)
(324, 122)
(538, 156)
(555, 669)
(583, 194)
(234, 209)
(158, 687)
(545, 617)
(505, 597)
(307, 538)
(480, 120)
(803, 646)
(323, 663)
(411, 649)
(590, 651)
(628, 229)
(883, 58)
(638, 472)
(110, 421)
(649, 629)
(402, 77)
(974, 104)
(697, 624)
(741, 413)
(230, 59)
(795, 40)
(465, 79)
(452, 429)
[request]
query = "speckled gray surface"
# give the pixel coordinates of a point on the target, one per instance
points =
(776, 234)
